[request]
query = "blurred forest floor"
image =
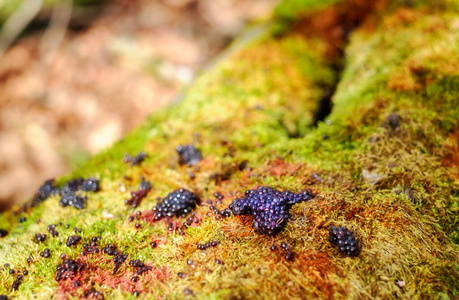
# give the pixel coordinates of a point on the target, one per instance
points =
(62, 100)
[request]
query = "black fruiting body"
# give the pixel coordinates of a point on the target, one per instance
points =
(67, 192)
(71, 186)
(47, 189)
(178, 203)
(72, 200)
(137, 196)
(3, 233)
(136, 160)
(269, 207)
(69, 268)
(90, 185)
(345, 240)
(73, 240)
(188, 154)
(39, 238)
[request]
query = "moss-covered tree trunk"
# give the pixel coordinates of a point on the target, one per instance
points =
(357, 101)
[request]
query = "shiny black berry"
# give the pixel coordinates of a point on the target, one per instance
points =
(269, 207)
(178, 203)
(344, 239)
(188, 154)
(289, 255)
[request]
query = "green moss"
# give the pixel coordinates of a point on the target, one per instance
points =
(288, 11)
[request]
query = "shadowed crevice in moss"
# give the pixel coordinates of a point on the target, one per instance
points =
(333, 25)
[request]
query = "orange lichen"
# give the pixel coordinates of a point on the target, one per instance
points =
(318, 267)
(450, 158)
(279, 167)
(334, 23)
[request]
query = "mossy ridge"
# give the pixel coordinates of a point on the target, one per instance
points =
(410, 156)
(166, 130)
(416, 148)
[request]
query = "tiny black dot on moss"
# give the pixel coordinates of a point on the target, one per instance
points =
(289, 255)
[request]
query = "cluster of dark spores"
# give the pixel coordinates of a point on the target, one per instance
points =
(92, 293)
(207, 245)
(39, 238)
(19, 278)
(269, 207)
(71, 199)
(140, 268)
(3, 233)
(69, 268)
(289, 254)
(52, 230)
(67, 192)
(46, 253)
(345, 240)
(118, 257)
(91, 247)
(137, 196)
(220, 213)
(138, 159)
(178, 203)
(190, 220)
(73, 240)
(45, 191)
(80, 184)
(188, 154)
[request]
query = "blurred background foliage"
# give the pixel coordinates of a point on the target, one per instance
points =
(76, 75)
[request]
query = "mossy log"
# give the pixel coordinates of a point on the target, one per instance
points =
(358, 102)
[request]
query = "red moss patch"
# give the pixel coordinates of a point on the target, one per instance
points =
(99, 269)
(149, 217)
(281, 168)
(318, 266)
(334, 23)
